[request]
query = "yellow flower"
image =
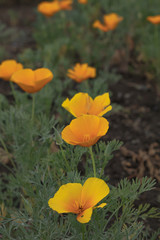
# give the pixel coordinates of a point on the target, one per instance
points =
(8, 67)
(81, 72)
(154, 19)
(83, 1)
(32, 81)
(85, 130)
(82, 103)
(78, 199)
(49, 8)
(110, 22)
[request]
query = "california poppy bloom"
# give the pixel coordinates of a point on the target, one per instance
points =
(8, 67)
(81, 72)
(154, 19)
(83, 1)
(32, 81)
(82, 103)
(85, 130)
(49, 8)
(110, 22)
(78, 199)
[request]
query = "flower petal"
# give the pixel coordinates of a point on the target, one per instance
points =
(99, 25)
(32, 81)
(93, 191)
(25, 79)
(85, 125)
(66, 4)
(85, 130)
(43, 74)
(154, 19)
(107, 109)
(49, 8)
(8, 67)
(81, 72)
(78, 105)
(102, 205)
(42, 77)
(91, 72)
(67, 198)
(68, 136)
(85, 216)
(100, 105)
(103, 127)
(24, 76)
(111, 20)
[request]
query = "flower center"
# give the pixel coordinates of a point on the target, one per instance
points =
(80, 209)
(86, 138)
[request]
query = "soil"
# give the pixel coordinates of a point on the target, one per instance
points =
(18, 27)
(137, 124)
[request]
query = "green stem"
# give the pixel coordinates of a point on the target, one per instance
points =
(13, 91)
(87, 86)
(83, 231)
(108, 220)
(156, 35)
(102, 169)
(4, 145)
(93, 162)
(157, 48)
(33, 107)
(103, 166)
(6, 150)
(65, 159)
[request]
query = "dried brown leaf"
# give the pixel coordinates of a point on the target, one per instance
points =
(54, 147)
(4, 156)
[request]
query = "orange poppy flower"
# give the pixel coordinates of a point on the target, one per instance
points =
(154, 19)
(8, 67)
(82, 103)
(81, 72)
(32, 81)
(78, 199)
(65, 4)
(49, 8)
(110, 22)
(85, 130)
(83, 1)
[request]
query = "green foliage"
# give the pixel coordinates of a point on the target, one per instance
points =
(5, 33)
(117, 220)
(68, 37)
(36, 170)
(104, 153)
(38, 175)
